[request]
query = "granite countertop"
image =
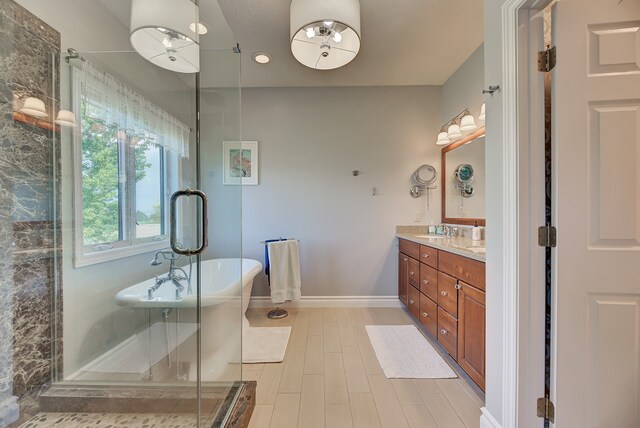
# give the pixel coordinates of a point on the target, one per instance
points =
(458, 245)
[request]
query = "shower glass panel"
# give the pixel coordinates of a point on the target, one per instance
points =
(148, 329)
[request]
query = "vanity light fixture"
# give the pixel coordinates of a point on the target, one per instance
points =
(34, 107)
(325, 34)
(161, 32)
(453, 131)
(261, 57)
(460, 124)
(66, 118)
(443, 138)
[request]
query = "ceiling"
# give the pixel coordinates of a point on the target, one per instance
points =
(404, 42)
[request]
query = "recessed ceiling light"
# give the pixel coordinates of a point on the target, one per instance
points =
(199, 28)
(261, 57)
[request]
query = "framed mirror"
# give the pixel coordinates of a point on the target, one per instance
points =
(463, 180)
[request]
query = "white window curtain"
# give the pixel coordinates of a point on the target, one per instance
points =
(108, 100)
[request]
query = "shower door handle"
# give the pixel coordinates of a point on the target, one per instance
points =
(172, 223)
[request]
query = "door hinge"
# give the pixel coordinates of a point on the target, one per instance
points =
(547, 60)
(547, 236)
(546, 409)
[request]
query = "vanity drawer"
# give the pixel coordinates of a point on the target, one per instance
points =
(429, 281)
(414, 272)
(469, 270)
(414, 302)
(448, 293)
(429, 256)
(448, 333)
(429, 315)
(411, 249)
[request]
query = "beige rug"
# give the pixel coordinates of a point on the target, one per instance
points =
(264, 344)
(404, 353)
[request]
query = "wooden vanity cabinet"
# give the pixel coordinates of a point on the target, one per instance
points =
(414, 302)
(403, 278)
(446, 293)
(471, 332)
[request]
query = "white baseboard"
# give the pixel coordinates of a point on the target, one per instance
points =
(330, 302)
(487, 420)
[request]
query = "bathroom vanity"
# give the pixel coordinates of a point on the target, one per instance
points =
(441, 281)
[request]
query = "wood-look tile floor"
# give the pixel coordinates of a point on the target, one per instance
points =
(331, 378)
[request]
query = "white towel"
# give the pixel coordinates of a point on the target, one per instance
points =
(284, 271)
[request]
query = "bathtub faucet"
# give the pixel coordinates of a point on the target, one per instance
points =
(175, 275)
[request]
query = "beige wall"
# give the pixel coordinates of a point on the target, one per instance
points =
(311, 139)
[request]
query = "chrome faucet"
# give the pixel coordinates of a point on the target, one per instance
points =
(175, 275)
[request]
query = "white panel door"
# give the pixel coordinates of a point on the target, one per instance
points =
(596, 120)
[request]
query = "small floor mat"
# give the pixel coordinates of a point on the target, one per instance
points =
(264, 344)
(403, 352)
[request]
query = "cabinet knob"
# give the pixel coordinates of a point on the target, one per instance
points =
(443, 331)
(425, 281)
(458, 286)
(426, 256)
(405, 259)
(410, 302)
(411, 273)
(444, 293)
(424, 314)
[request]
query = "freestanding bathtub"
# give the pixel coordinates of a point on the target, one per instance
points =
(225, 291)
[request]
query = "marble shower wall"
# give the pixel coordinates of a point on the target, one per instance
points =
(29, 199)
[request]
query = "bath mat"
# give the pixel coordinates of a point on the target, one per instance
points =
(403, 352)
(264, 344)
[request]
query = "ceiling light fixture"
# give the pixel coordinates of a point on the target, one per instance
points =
(199, 28)
(261, 57)
(325, 34)
(161, 33)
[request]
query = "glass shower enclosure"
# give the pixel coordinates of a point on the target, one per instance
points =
(148, 313)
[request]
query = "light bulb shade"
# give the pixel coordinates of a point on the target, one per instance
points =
(161, 33)
(443, 139)
(66, 118)
(34, 107)
(454, 132)
(325, 50)
(482, 112)
(468, 123)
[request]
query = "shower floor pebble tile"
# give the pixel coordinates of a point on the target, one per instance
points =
(110, 420)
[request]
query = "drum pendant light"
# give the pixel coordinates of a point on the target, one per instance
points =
(325, 34)
(161, 33)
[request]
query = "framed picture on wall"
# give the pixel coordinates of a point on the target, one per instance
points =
(240, 162)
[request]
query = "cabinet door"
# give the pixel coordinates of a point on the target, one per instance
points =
(429, 256)
(414, 272)
(471, 332)
(448, 293)
(403, 277)
(448, 332)
(429, 315)
(414, 302)
(429, 282)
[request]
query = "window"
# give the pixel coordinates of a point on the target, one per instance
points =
(125, 148)
(123, 188)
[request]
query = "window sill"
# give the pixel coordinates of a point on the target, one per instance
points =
(117, 253)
